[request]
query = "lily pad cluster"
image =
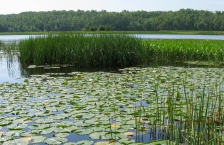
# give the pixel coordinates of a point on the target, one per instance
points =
(136, 106)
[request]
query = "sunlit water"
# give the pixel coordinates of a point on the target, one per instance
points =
(145, 36)
(175, 36)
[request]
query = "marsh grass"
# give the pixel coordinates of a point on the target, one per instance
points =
(106, 50)
(185, 50)
(82, 50)
(186, 113)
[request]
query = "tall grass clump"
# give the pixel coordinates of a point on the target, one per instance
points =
(82, 50)
(185, 50)
(185, 106)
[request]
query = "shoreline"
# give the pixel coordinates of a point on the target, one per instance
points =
(182, 32)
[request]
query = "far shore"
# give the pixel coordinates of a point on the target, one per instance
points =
(184, 32)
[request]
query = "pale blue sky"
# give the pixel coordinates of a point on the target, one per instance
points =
(17, 6)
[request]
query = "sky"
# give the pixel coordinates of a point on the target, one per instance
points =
(18, 6)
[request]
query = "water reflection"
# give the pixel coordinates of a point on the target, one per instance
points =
(9, 67)
(6, 38)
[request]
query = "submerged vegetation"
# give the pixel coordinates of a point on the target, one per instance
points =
(103, 50)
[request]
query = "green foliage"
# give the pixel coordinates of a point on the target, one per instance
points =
(104, 28)
(100, 28)
(105, 50)
(185, 50)
(184, 19)
(82, 50)
(91, 28)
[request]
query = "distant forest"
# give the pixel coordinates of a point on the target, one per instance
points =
(184, 19)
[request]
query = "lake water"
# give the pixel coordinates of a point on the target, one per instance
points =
(145, 36)
(175, 36)
(10, 72)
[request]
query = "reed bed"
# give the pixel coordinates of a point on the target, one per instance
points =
(106, 50)
(185, 50)
(82, 50)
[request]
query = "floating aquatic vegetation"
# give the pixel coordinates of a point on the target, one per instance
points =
(175, 104)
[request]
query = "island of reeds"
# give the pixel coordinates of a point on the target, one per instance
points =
(82, 50)
(107, 50)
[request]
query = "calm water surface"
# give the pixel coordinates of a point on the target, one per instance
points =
(145, 36)
(175, 36)
(9, 72)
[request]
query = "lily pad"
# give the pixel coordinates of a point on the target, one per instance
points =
(26, 138)
(97, 135)
(70, 143)
(47, 131)
(5, 122)
(38, 139)
(126, 141)
(62, 134)
(16, 126)
(85, 142)
(83, 131)
(55, 140)
(16, 142)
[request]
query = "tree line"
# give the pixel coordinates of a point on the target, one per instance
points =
(183, 19)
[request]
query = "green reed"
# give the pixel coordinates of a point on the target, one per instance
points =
(185, 50)
(102, 50)
(1, 43)
(190, 113)
(82, 50)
